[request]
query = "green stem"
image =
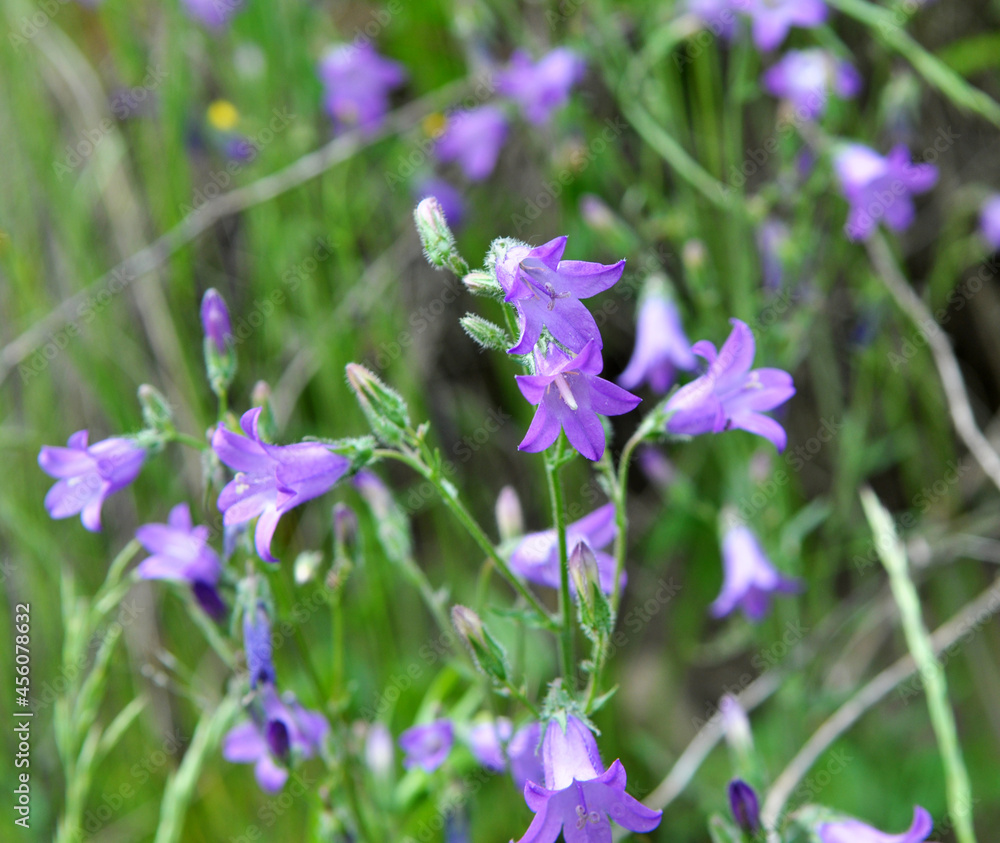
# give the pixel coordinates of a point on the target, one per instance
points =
(893, 555)
(552, 462)
(187, 439)
(450, 497)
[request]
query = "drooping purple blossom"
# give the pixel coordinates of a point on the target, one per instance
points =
(855, 831)
(486, 741)
(570, 395)
(181, 553)
(745, 806)
(473, 139)
(427, 745)
(749, 578)
(546, 292)
(214, 14)
(541, 87)
(720, 16)
(356, 82)
(880, 188)
(215, 319)
(730, 394)
(278, 728)
(536, 556)
(989, 221)
(806, 78)
(661, 346)
(271, 479)
(257, 646)
(88, 475)
(579, 797)
(771, 19)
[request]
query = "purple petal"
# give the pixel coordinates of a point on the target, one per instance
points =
(244, 744)
(542, 432)
(266, 525)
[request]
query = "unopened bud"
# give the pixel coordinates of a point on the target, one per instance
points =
(467, 624)
(156, 411)
(436, 237)
(215, 320)
(306, 565)
(510, 519)
(487, 653)
(345, 525)
(583, 570)
(593, 608)
(484, 333)
(744, 805)
(481, 283)
(736, 726)
(384, 408)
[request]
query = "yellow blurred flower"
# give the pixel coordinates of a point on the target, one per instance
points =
(222, 115)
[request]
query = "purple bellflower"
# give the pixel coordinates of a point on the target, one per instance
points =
(541, 87)
(569, 395)
(855, 831)
(257, 646)
(880, 188)
(180, 552)
(357, 82)
(661, 347)
(474, 139)
(989, 221)
(524, 751)
(771, 19)
(805, 79)
(278, 729)
(427, 745)
(536, 556)
(579, 797)
(486, 740)
(749, 578)
(730, 394)
(271, 479)
(215, 319)
(88, 475)
(745, 806)
(546, 292)
(214, 14)
(718, 15)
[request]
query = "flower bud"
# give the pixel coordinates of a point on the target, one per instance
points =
(487, 653)
(156, 412)
(736, 727)
(583, 570)
(484, 333)
(384, 408)
(467, 624)
(744, 805)
(481, 283)
(436, 237)
(510, 519)
(215, 320)
(306, 565)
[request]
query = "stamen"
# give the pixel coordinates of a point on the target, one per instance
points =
(565, 392)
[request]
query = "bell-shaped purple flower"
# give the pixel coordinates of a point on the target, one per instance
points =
(546, 292)
(181, 553)
(88, 475)
(257, 646)
(748, 577)
(271, 479)
(855, 831)
(580, 798)
(806, 78)
(880, 188)
(357, 82)
(536, 556)
(215, 319)
(730, 394)
(989, 221)
(661, 347)
(473, 139)
(427, 745)
(486, 741)
(771, 19)
(541, 87)
(214, 14)
(278, 728)
(745, 806)
(569, 395)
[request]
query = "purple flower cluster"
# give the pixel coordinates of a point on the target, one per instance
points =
(356, 83)
(545, 292)
(806, 78)
(770, 20)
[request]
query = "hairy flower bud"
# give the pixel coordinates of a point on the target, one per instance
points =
(220, 354)
(481, 283)
(487, 334)
(384, 408)
(487, 653)
(437, 238)
(156, 412)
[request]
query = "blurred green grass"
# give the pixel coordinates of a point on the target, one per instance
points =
(62, 231)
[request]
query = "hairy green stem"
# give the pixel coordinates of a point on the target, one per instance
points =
(566, 648)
